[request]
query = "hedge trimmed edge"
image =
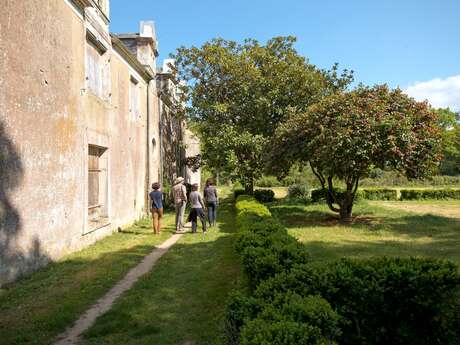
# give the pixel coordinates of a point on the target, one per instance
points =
(377, 301)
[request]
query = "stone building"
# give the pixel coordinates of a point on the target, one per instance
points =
(179, 144)
(79, 129)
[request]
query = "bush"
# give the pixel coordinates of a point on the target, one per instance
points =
(238, 192)
(426, 194)
(318, 195)
(298, 191)
(264, 244)
(268, 181)
(293, 319)
(264, 195)
(381, 300)
(380, 194)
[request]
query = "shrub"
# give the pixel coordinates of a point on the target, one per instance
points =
(268, 181)
(381, 300)
(426, 194)
(318, 195)
(380, 194)
(238, 192)
(298, 191)
(264, 195)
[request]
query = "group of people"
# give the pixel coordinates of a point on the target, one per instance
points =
(198, 205)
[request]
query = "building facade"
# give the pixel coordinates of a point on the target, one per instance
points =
(80, 138)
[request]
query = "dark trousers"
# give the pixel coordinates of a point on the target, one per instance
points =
(212, 212)
(196, 213)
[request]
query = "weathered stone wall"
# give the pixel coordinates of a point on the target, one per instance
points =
(47, 120)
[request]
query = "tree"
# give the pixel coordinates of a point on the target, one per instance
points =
(347, 134)
(449, 123)
(239, 93)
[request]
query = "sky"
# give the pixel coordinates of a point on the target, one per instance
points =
(411, 44)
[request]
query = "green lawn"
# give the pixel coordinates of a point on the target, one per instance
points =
(377, 230)
(182, 300)
(37, 308)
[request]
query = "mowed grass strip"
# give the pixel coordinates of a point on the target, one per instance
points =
(375, 231)
(182, 300)
(36, 309)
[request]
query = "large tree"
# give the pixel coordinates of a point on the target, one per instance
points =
(238, 94)
(347, 134)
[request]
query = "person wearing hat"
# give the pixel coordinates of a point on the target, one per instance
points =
(180, 201)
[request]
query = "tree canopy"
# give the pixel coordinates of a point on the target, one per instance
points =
(239, 93)
(347, 134)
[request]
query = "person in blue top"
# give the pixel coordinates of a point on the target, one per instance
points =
(156, 198)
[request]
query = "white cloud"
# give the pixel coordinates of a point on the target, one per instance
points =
(441, 93)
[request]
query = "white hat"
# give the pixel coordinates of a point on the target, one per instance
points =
(178, 180)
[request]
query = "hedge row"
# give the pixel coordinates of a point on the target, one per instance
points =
(261, 195)
(382, 194)
(374, 301)
(426, 194)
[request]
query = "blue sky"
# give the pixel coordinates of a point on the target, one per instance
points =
(407, 43)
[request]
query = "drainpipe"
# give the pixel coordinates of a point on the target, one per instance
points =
(160, 137)
(148, 155)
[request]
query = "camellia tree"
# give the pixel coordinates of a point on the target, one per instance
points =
(239, 93)
(347, 134)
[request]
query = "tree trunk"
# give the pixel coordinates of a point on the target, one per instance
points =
(249, 187)
(346, 208)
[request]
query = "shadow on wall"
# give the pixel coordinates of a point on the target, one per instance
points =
(13, 262)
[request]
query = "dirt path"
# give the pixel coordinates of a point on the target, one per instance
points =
(87, 319)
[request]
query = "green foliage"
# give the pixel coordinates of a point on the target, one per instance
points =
(293, 319)
(298, 191)
(318, 195)
(264, 195)
(269, 181)
(450, 165)
(346, 135)
(263, 243)
(425, 194)
(239, 92)
(238, 192)
(381, 300)
(375, 301)
(380, 194)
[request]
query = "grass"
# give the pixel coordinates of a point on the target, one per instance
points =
(376, 230)
(36, 309)
(182, 300)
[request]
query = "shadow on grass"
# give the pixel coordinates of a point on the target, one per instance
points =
(182, 299)
(381, 232)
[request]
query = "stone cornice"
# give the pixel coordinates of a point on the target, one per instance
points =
(121, 49)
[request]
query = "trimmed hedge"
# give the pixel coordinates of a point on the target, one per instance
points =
(380, 194)
(350, 301)
(426, 194)
(264, 195)
(381, 300)
(321, 194)
(263, 243)
(391, 194)
(298, 191)
(238, 192)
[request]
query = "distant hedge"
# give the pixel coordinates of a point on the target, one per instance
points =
(391, 194)
(291, 300)
(426, 194)
(264, 195)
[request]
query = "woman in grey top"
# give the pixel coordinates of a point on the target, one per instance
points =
(197, 209)
(210, 196)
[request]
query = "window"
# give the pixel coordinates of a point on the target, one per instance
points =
(97, 69)
(134, 107)
(97, 187)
